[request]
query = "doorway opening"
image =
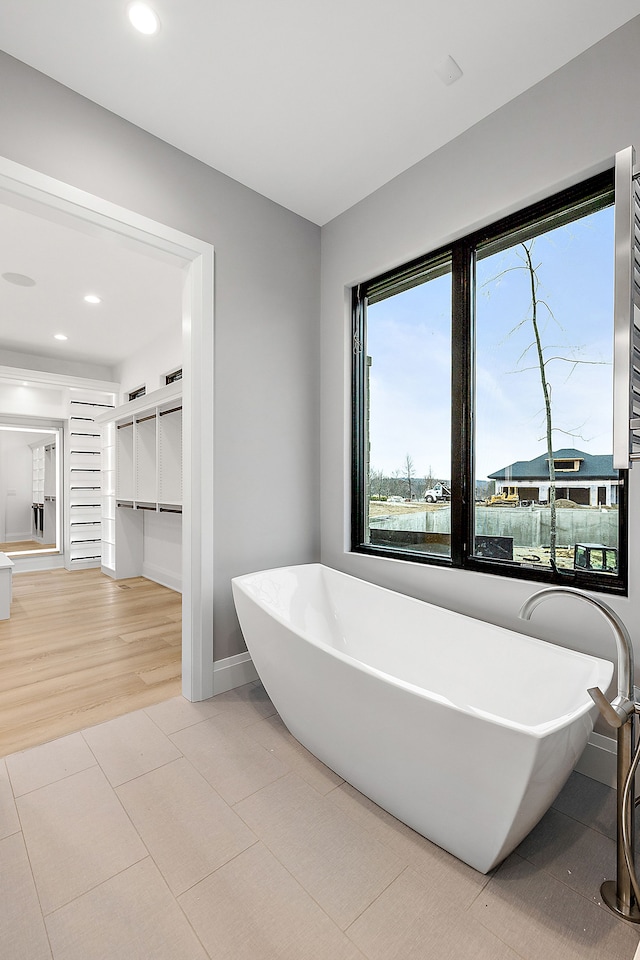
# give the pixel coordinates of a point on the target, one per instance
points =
(30, 488)
(86, 212)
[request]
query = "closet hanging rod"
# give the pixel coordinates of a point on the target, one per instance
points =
(121, 426)
(164, 413)
(151, 416)
(169, 510)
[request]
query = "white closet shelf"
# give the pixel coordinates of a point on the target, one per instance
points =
(143, 405)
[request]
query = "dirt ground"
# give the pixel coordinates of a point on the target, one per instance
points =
(386, 509)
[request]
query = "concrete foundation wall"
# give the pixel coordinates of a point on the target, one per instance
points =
(529, 526)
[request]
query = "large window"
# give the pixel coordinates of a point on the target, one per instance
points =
(483, 401)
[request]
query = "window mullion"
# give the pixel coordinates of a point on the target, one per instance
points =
(461, 412)
(359, 414)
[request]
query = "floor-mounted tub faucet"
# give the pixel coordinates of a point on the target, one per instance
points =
(622, 895)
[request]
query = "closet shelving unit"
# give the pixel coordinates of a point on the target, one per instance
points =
(43, 503)
(37, 504)
(142, 451)
(85, 480)
(50, 471)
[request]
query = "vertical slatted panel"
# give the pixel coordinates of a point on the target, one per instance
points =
(635, 365)
(626, 362)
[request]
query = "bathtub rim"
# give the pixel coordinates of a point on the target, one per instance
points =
(538, 731)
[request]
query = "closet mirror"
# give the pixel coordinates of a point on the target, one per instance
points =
(30, 489)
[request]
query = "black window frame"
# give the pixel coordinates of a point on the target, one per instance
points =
(586, 197)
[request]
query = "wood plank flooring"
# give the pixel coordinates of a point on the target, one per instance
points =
(81, 648)
(19, 546)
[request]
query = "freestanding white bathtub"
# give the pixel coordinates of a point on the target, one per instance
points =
(463, 730)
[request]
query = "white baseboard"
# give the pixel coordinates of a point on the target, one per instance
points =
(233, 672)
(164, 577)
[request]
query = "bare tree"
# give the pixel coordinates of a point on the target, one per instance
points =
(409, 474)
(546, 393)
(376, 482)
(542, 362)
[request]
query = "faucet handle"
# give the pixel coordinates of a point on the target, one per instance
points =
(617, 712)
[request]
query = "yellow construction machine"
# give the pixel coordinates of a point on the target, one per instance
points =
(506, 498)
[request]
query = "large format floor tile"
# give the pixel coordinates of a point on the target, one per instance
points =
(442, 873)
(186, 826)
(129, 917)
(177, 713)
(45, 764)
(408, 922)
(342, 866)
(540, 917)
(253, 909)
(274, 736)
(9, 822)
(77, 835)
(22, 931)
(129, 746)
(206, 832)
(233, 763)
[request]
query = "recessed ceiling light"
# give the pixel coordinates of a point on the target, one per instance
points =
(20, 279)
(91, 298)
(143, 18)
(60, 336)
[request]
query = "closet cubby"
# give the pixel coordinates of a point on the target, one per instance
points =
(146, 458)
(125, 464)
(170, 455)
(144, 437)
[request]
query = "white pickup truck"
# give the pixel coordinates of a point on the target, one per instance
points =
(438, 493)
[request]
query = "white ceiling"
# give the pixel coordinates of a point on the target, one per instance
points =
(314, 104)
(140, 295)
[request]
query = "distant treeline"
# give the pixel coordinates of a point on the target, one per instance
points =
(382, 486)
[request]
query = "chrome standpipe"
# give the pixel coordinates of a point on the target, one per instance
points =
(623, 894)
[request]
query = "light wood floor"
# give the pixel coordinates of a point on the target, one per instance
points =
(19, 546)
(81, 648)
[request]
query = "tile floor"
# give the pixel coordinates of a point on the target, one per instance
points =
(193, 831)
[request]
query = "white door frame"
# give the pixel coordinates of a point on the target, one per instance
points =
(197, 345)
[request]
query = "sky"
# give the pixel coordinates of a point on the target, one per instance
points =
(409, 341)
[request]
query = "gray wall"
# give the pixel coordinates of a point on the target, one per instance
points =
(559, 132)
(266, 315)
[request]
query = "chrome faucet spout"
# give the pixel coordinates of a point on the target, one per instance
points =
(620, 632)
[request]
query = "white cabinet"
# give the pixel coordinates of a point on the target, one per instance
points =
(88, 474)
(143, 438)
(148, 451)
